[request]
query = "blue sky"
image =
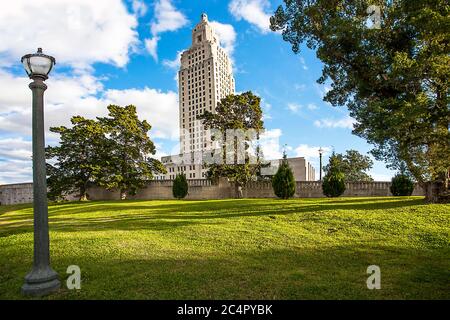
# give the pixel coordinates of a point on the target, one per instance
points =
(125, 52)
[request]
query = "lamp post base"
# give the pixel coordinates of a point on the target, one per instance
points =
(41, 282)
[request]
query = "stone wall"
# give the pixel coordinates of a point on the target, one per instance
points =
(16, 193)
(162, 189)
(204, 189)
(313, 189)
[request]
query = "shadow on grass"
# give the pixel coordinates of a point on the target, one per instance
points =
(304, 273)
(163, 215)
(241, 207)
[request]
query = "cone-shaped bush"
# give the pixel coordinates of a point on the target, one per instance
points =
(333, 184)
(180, 186)
(402, 185)
(283, 183)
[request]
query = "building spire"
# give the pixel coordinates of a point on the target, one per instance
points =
(204, 17)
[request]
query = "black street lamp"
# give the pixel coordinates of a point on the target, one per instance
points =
(320, 156)
(42, 279)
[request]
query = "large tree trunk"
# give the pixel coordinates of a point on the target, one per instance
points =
(83, 194)
(437, 190)
(238, 190)
(83, 197)
(123, 194)
(430, 191)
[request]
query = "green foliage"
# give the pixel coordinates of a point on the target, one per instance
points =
(180, 186)
(113, 152)
(333, 184)
(78, 158)
(283, 182)
(353, 165)
(394, 79)
(128, 165)
(402, 185)
(242, 111)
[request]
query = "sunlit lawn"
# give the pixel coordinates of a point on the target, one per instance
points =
(237, 249)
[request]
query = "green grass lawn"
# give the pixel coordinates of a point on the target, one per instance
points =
(237, 249)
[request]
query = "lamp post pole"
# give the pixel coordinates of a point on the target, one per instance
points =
(42, 279)
(320, 163)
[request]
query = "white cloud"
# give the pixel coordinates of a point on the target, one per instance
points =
(270, 144)
(159, 108)
(151, 45)
(65, 97)
(300, 87)
(68, 96)
(15, 149)
(253, 11)
(174, 64)
(167, 18)
(266, 107)
(303, 63)
(13, 95)
(381, 176)
(139, 7)
(226, 34)
(346, 123)
(310, 152)
(15, 171)
(77, 33)
(294, 107)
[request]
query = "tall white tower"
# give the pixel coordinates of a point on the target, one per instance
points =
(205, 77)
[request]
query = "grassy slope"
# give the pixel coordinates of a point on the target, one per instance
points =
(243, 249)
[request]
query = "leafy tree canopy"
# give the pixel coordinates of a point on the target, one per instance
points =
(129, 164)
(333, 184)
(78, 158)
(352, 164)
(242, 111)
(113, 152)
(393, 79)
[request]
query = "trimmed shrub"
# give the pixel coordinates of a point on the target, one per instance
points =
(180, 186)
(283, 183)
(402, 185)
(333, 184)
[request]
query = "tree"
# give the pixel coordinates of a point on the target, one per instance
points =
(283, 182)
(180, 186)
(353, 165)
(333, 184)
(393, 79)
(402, 185)
(241, 112)
(77, 159)
(128, 166)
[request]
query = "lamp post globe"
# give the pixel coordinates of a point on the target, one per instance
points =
(42, 279)
(38, 65)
